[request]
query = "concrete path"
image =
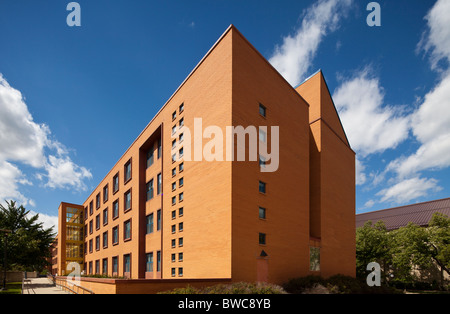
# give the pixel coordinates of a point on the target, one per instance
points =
(40, 286)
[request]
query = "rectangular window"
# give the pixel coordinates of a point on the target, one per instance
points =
(180, 242)
(127, 263)
(91, 229)
(105, 216)
(158, 261)
(90, 268)
(174, 158)
(181, 167)
(180, 197)
(180, 226)
(150, 223)
(90, 246)
(174, 200)
(262, 213)
(174, 214)
(180, 257)
(173, 243)
(174, 130)
(180, 271)
(174, 186)
(105, 239)
(116, 209)
(174, 229)
(127, 200)
(159, 149)
(173, 258)
(97, 266)
(181, 153)
(91, 207)
(97, 201)
(174, 115)
(149, 189)
(314, 258)
(105, 193)
(262, 238)
(181, 123)
(149, 262)
(97, 243)
(174, 172)
(150, 158)
(158, 220)
(262, 187)
(180, 211)
(115, 265)
(159, 183)
(181, 182)
(97, 222)
(262, 110)
(115, 232)
(116, 183)
(127, 171)
(173, 271)
(181, 137)
(127, 230)
(105, 266)
(181, 108)
(174, 144)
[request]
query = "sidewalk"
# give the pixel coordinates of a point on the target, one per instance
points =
(40, 286)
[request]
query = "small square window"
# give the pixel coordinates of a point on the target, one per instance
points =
(262, 110)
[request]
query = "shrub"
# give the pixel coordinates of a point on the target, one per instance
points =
(234, 288)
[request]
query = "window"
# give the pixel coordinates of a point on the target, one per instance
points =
(262, 110)
(180, 197)
(173, 272)
(116, 183)
(174, 200)
(181, 167)
(150, 158)
(159, 149)
(115, 264)
(181, 137)
(174, 172)
(105, 239)
(149, 223)
(116, 209)
(174, 144)
(173, 258)
(262, 213)
(174, 115)
(105, 266)
(174, 157)
(174, 214)
(174, 229)
(180, 227)
(174, 243)
(180, 257)
(262, 187)
(90, 227)
(127, 171)
(180, 242)
(158, 220)
(97, 201)
(127, 263)
(149, 262)
(181, 152)
(127, 200)
(90, 246)
(181, 122)
(181, 108)
(158, 261)
(115, 232)
(127, 230)
(180, 271)
(159, 183)
(314, 258)
(149, 189)
(97, 243)
(174, 186)
(90, 267)
(262, 135)
(97, 222)
(174, 129)
(180, 211)
(105, 216)
(181, 182)
(91, 207)
(262, 238)
(97, 266)
(105, 193)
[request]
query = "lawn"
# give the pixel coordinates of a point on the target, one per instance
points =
(13, 288)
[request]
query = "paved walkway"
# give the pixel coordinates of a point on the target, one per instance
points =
(40, 286)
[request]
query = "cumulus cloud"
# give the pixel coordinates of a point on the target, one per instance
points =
(371, 126)
(294, 57)
(407, 190)
(23, 141)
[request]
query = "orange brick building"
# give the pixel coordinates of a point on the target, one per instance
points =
(157, 216)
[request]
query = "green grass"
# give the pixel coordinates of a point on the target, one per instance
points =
(13, 288)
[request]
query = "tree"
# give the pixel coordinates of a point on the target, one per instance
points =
(28, 242)
(439, 241)
(373, 244)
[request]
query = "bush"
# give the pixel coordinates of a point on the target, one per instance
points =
(234, 288)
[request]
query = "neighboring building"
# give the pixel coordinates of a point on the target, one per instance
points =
(158, 216)
(397, 217)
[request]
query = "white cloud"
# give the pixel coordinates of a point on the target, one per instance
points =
(47, 220)
(407, 190)
(371, 126)
(437, 38)
(24, 141)
(294, 57)
(359, 170)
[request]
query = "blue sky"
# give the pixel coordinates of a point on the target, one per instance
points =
(72, 99)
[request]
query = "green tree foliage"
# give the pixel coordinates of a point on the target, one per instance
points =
(28, 242)
(403, 252)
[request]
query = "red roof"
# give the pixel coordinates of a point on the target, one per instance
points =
(394, 218)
